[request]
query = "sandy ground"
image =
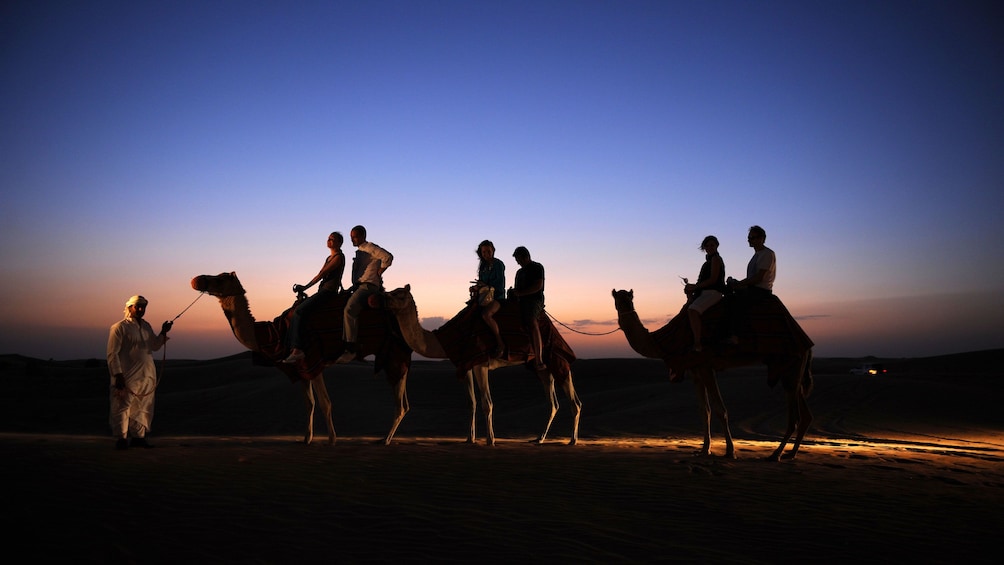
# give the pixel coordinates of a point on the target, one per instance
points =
(905, 466)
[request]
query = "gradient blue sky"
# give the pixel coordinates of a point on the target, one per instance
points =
(143, 143)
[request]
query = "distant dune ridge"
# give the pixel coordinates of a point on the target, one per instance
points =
(912, 460)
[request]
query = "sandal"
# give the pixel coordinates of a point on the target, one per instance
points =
(294, 357)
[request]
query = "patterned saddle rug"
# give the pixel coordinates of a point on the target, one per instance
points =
(379, 334)
(468, 341)
(765, 330)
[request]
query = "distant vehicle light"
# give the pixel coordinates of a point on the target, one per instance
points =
(869, 369)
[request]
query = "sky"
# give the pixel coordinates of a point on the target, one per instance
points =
(144, 143)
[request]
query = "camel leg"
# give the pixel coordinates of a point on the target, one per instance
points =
(321, 393)
(472, 435)
(804, 414)
(799, 415)
(481, 375)
(400, 386)
(799, 418)
(717, 404)
(552, 398)
(704, 408)
(804, 419)
(711, 397)
(308, 398)
(792, 403)
(573, 397)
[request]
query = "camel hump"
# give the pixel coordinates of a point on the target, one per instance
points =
(771, 329)
(765, 327)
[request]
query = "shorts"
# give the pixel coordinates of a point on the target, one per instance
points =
(707, 299)
(530, 310)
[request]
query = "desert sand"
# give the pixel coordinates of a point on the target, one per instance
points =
(904, 466)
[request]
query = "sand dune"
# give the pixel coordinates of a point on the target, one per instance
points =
(906, 465)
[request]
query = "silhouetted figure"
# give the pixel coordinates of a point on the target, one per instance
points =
(133, 374)
(489, 288)
(709, 288)
(529, 291)
(330, 277)
(759, 281)
(368, 266)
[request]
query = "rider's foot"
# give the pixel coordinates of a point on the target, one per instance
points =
(348, 355)
(295, 356)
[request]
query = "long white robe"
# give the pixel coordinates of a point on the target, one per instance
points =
(130, 345)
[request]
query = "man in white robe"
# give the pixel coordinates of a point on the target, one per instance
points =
(131, 342)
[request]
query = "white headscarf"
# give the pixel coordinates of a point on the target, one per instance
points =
(136, 300)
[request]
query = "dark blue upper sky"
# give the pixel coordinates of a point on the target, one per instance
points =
(143, 143)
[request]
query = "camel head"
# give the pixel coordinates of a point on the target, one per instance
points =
(220, 286)
(623, 300)
(399, 299)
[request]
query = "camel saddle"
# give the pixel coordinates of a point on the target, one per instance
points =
(766, 330)
(468, 341)
(322, 328)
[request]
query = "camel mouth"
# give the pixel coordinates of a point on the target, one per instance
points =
(199, 283)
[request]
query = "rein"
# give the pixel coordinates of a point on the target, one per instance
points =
(163, 359)
(560, 323)
(201, 294)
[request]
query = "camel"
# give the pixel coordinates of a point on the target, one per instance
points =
(427, 343)
(264, 339)
(791, 365)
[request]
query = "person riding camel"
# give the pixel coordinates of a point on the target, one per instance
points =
(368, 267)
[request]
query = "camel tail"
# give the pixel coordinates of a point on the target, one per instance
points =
(807, 375)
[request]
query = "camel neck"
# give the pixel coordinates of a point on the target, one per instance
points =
(638, 336)
(421, 340)
(238, 313)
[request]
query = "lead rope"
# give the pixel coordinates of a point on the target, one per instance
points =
(578, 331)
(164, 358)
(683, 279)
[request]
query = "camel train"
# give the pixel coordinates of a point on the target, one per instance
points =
(390, 331)
(380, 334)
